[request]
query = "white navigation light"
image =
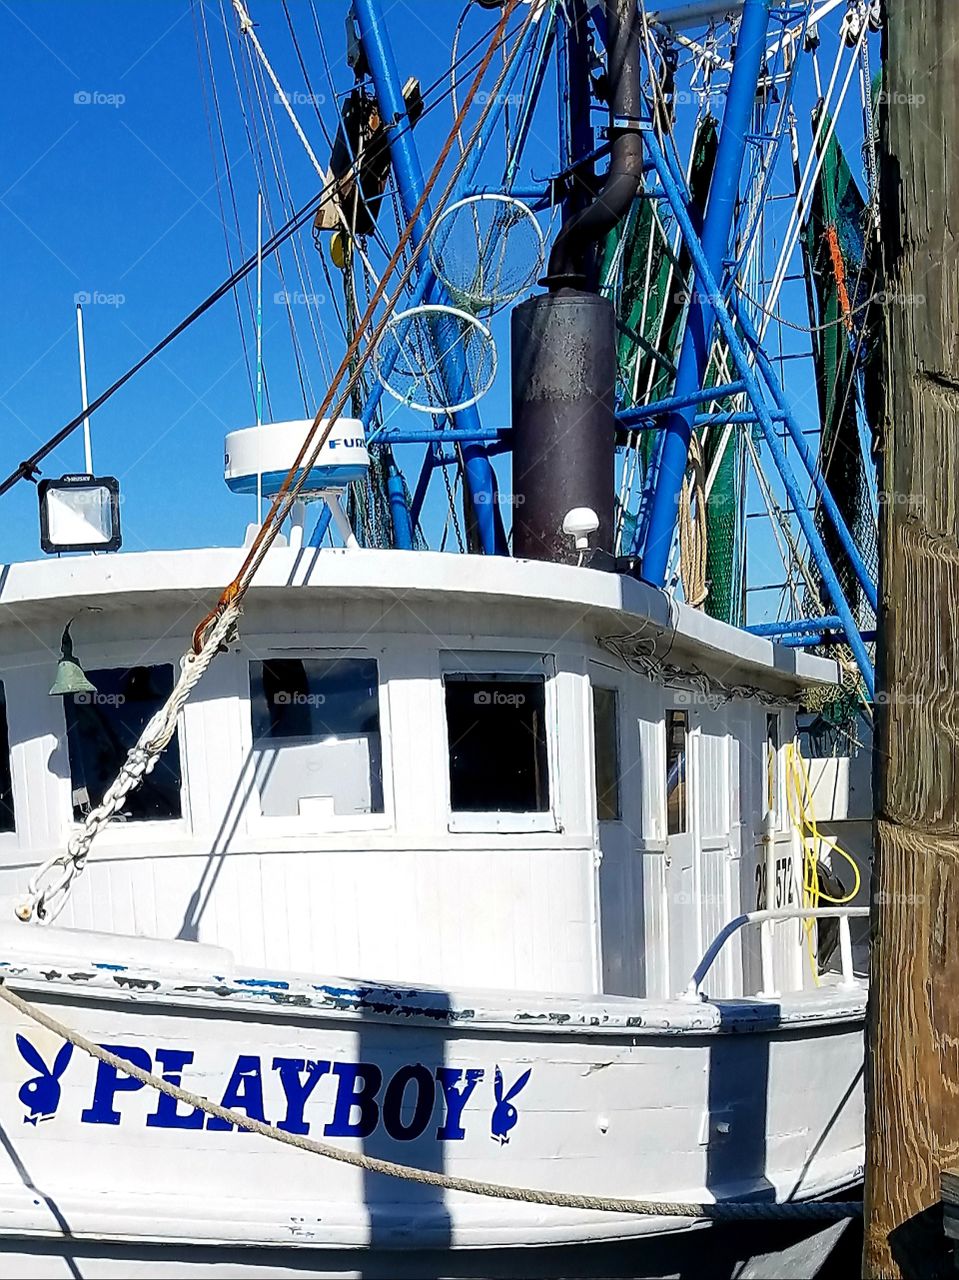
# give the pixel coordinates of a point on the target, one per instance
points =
(579, 523)
(79, 513)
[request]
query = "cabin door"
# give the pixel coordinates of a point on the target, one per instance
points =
(714, 766)
(620, 880)
(682, 869)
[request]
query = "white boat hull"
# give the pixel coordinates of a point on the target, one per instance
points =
(604, 1096)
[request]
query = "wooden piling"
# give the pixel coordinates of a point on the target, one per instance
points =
(913, 1024)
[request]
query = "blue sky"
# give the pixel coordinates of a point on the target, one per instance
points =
(108, 190)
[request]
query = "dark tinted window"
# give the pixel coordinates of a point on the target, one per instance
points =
(316, 735)
(6, 782)
(497, 744)
(677, 727)
(606, 751)
(101, 729)
(772, 762)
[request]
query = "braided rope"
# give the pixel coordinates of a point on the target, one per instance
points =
(728, 1211)
(49, 886)
(693, 540)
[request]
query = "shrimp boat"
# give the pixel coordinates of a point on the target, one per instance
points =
(541, 866)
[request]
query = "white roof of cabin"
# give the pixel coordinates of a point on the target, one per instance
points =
(45, 590)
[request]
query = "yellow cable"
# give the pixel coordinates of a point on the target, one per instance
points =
(802, 814)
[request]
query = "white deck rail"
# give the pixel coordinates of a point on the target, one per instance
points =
(767, 920)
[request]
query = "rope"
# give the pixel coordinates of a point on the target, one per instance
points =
(692, 529)
(728, 1211)
(845, 319)
(216, 175)
(49, 886)
(246, 28)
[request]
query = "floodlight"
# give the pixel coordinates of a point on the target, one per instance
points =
(79, 513)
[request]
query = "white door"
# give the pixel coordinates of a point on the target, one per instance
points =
(712, 766)
(620, 866)
(682, 869)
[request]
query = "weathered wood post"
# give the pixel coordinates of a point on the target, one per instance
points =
(912, 1120)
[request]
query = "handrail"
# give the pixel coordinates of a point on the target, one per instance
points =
(767, 919)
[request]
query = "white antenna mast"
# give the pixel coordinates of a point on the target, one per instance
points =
(87, 448)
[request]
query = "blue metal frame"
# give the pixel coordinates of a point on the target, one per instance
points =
(427, 288)
(711, 305)
(480, 477)
(717, 225)
(823, 492)
(707, 281)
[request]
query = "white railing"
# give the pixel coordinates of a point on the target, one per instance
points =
(767, 920)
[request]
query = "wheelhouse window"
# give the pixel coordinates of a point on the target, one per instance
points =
(677, 732)
(606, 754)
(102, 727)
(316, 736)
(7, 822)
(497, 743)
(772, 763)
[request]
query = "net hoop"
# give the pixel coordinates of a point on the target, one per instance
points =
(460, 291)
(431, 311)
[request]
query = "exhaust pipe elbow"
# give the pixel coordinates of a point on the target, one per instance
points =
(567, 261)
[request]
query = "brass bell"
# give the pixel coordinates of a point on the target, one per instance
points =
(70, 677)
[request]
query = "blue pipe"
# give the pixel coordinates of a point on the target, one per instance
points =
(478, 470)
(397, 435)
(430, 463)
(399, 511)
(717, 224)
(689, 400)
(321, 526)
(796, 627)
(774, 444)
(633, 420)
(646, 496)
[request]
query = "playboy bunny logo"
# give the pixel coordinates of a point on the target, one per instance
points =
(42, 1094)
(505, 1114)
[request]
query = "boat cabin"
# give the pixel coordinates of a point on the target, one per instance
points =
(527, 776)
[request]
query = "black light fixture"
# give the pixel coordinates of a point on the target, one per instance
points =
(79, 513)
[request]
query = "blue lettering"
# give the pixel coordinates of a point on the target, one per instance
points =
(393, 1102)
(167, 1114)
(456, 1094)
(109, 1083)
(297, 1090)
(349, 1096)
(243, 1093)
